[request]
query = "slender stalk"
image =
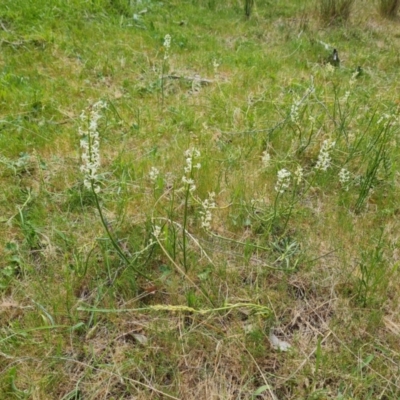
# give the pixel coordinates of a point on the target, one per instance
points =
(184, 228)
(275, 211)
(373, 167)
(167, 45)
(292, 203)
(113, 241)
(162, 84)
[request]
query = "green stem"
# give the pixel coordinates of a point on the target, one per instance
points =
(184, 228)
(290, 211)
(275, 211)
(113, 241)
(162, 84)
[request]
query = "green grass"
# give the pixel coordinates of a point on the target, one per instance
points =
(389, 8)
(153, 288)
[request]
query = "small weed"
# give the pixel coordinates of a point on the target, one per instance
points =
(375, 275)
(13, 266)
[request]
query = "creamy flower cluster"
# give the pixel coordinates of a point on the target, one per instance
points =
(90, 145)
(294, 110)
(190, 155)
(344, 178)
(205, 214)
(283, 181)
(299, 174)
(157, 235)
(346, 96)
(324, 157)
(153, 174)
(386, 118)
(297, 101)
(167, 45)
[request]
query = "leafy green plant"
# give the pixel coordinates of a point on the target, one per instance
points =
(377, 159)
(375, 274)
(18, 393)
(22, 165)
(13, 265)
(90, 145)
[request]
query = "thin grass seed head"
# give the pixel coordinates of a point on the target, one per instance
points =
(283, 181)
(297, 101)
(90, 146)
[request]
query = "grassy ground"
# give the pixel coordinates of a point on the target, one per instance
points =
(247, 197)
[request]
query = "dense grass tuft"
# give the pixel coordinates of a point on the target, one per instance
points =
(335, 11)
(389, 8)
